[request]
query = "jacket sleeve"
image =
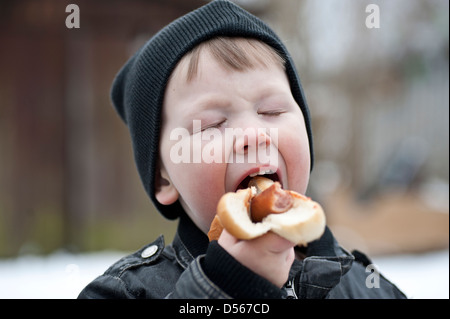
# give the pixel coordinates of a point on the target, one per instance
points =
(194, 284)
(106, 287)
(218, 275)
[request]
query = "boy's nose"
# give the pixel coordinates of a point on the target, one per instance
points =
(251, 139)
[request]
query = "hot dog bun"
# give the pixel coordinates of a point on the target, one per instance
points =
(302, 223)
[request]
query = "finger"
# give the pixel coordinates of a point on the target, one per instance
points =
(226, 239)
(275, 243)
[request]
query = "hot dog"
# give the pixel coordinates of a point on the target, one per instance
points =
(264, 206)
(272, 200)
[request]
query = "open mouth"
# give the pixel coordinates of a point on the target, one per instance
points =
(270, 174)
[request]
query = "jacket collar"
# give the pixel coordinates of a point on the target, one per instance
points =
(189, 241)
(325, 263)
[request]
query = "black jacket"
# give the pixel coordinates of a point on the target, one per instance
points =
(191, 267)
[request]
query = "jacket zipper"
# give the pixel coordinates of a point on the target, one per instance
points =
(290, 290)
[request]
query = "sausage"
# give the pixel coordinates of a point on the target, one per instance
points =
(273, 200)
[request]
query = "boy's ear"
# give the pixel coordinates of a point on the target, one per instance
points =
(165, 192)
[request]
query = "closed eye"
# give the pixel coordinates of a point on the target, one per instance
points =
(271, 113)
(213, 125)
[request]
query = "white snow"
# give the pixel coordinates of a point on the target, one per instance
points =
(63, 276)
(58, 276)
(423, 276)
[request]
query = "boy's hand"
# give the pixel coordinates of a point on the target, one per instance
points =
(269, 256)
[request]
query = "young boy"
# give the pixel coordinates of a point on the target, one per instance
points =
(214, 71)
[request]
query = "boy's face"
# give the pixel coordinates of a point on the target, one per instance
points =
(224, 125)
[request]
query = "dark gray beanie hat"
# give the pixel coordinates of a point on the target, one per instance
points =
(138, 89)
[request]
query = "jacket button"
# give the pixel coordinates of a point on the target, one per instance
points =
(149, 251)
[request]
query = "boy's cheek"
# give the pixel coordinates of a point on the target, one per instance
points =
(298, 171)
(198, 179)
(294, 149)
(200, 186)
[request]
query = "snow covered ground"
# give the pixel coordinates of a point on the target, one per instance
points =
(62, 275)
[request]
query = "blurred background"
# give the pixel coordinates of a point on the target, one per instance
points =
(379, 101)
